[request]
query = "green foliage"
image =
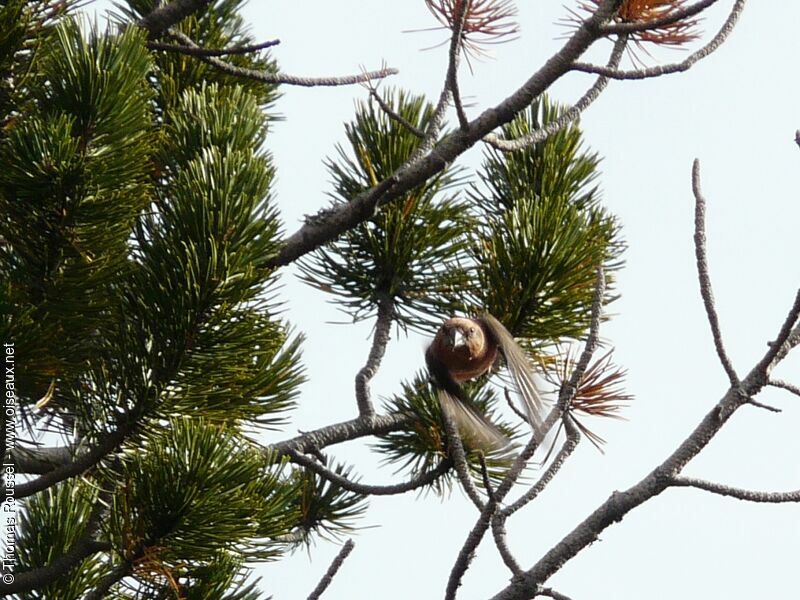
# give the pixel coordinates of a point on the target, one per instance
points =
(324, 508)
(409, 252)
(192, 489)
(50, 524)
(137, 217)
(543, 232)
(74, 179)
(421, 447)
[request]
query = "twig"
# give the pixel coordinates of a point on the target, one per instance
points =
(570, 387)
(282, 78)
(499, 535)
(513, 406)
(786, 339)
(758, 404)
(669, 19)
(685, 65)
(738, 493)
(379, 341)
(331, 572)
(200, 51)
(703, 276)
(539, 135)
(780, 383)
(487, 482)
(394, 115)
(567, 448)
(459, 18)
(419, 481)
(551, 593)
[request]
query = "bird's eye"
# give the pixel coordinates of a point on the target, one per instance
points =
(471, 331)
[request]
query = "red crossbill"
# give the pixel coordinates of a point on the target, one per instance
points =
(467, 348)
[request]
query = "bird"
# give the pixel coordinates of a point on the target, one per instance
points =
(465, 348)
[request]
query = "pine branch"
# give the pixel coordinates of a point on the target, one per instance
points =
(738, 493)
(331, 223)
(86, 546)
(200, 51)
(379, 341)
(338, 433)
(671, 68)
(569, 116)
(280, 78)
(419, 481)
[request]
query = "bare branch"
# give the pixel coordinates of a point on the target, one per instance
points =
(703, 276)
(335, 566)
(282, 78)
(780, 383)
(767, 407)
(499, 534)
(787, 338)
(338, 433)
(38, 578)
(738, 493)
(200, 51)
(379, 341)
(669, 19)
(419, 481)
(116, 575)
(567, 448)
(685, 65)
(475, 536)
(487, 482)
(167, 15)
(539, 135)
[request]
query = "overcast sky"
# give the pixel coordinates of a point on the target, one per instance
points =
(737, 112)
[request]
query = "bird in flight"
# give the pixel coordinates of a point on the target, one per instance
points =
(464, 349)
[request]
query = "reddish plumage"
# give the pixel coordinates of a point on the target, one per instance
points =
(464, 349)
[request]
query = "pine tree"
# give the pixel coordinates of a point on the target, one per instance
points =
(140, 242)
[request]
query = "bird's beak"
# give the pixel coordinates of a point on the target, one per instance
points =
(457, 338)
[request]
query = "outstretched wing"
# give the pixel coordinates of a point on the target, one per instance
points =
(472, 425)
(521, 370)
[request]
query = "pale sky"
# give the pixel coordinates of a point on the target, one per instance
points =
(737, 112)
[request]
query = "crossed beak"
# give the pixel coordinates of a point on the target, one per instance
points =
(457, 338)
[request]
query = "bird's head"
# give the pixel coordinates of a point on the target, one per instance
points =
(459, 333)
